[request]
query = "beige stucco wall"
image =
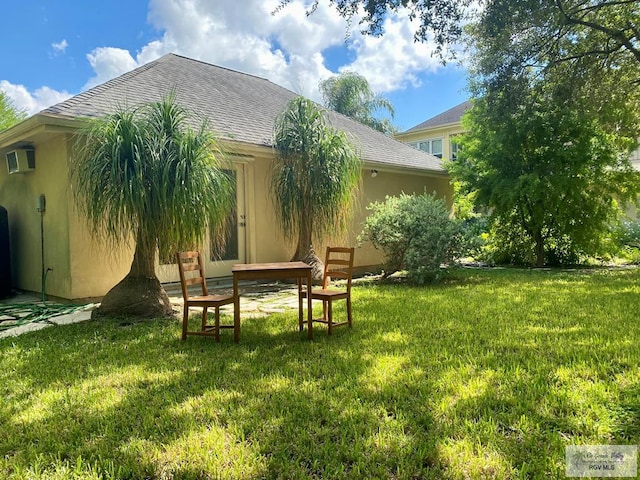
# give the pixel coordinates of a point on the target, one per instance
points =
(271, 246)
(83, 267)
(444, 132)
(95, 267)
(19, 195)
(390, 183)
(80, 266)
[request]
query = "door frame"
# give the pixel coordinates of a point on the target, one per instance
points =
(168, 273)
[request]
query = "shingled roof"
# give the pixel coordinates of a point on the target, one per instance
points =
(238, 106)
(453, 115)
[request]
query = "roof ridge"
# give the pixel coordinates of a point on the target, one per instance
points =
(218, 66)
(239, 107)
(435, 120)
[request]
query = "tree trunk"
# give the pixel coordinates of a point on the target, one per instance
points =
(305, 253)
(140, 293)
(538, 238)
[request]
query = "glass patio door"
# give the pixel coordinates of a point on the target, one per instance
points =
(218, 261)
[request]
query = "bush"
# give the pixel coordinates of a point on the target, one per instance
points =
(474, 233)
(414, 232)
(510, 244)
(628, 234)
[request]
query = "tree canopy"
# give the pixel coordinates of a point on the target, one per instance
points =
(350, 94)
(9, 114)
(565, 28)
(440, 20)
(315, 179)
(549, 166)
(143, 174)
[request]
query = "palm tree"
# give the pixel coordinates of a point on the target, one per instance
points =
(350, 94)
(315, 180)
(143, 174)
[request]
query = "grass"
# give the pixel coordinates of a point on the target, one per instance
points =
(489, 375)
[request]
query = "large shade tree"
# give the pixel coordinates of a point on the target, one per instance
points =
(568, 28)
(439, 20)
(350, 94)
(144, 175)
(550, 169)
(315, 179)
(556, 116)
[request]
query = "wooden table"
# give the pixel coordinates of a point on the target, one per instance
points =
(272, 271)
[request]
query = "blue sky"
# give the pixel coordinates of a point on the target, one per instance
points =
(52, 50)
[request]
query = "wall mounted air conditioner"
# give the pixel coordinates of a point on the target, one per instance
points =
(21, 160)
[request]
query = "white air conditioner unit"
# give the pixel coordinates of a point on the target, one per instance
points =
(21, 160)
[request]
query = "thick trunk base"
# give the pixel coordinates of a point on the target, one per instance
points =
(136, 296)
(310, 258)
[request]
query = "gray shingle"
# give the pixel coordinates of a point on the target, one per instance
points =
(453, 115)
(238, 106)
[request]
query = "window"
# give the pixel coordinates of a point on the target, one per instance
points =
(455, 148)
(432, 146)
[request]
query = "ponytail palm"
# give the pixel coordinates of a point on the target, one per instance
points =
(143, 174)
(315, 179)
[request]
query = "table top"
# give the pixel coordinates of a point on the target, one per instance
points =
(274, 266)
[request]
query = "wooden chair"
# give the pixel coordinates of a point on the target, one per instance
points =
(192, 273)
(338, 264)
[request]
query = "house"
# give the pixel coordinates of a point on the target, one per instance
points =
(437, 135)
(50, 246)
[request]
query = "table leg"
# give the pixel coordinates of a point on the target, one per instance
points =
(236, 310)
(300, 305)
(309, 307)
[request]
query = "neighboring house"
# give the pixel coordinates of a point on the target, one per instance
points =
(241, 109)
(437, 135)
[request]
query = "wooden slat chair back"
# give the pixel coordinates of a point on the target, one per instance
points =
(191, 271)
(338, 265)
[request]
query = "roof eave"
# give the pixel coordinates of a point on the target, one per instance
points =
(432, 127)
(39, 123)
(384, 167)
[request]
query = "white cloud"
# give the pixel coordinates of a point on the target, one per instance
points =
(394, 60)
(287, 48)
(60, 47)
(32, 102)
(107, 63)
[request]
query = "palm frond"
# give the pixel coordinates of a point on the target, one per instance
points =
(316, 176)
(143, 173)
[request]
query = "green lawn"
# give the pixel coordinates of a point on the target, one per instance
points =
(489, 375)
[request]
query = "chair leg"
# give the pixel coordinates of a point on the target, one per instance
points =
(185, 319)
(300, 307)
(217, 325)
(205, 310)
(324, 310)
(330, 317)
(349, 310)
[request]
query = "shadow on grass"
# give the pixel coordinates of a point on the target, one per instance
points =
(489, 375)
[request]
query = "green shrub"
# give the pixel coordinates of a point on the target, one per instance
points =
(415, 233)
(474, 233)
(510, 244)
(628, 234)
